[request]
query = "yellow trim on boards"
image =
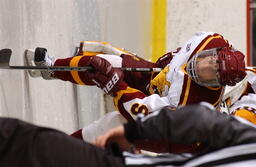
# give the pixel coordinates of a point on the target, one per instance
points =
(159, 19)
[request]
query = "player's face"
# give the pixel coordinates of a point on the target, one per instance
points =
(207, 68)
(203, 68)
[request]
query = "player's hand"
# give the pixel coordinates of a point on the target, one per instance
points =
(113, 135)
(110, 80)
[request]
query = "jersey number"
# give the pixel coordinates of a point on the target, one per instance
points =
(139, 108)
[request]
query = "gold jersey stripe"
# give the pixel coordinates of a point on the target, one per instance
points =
(102, 42)
(86, 53)
(214, 88)
(74, 63)
(251, 70)
(122, 50)
(220, 97)
(121, 92)
(246, 114)
(207, 41)
(185, 99)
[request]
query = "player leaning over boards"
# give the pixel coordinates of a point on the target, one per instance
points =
(185, 72)
(196, 72)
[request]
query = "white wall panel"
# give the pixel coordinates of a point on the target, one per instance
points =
(185, 17)
(58, 25)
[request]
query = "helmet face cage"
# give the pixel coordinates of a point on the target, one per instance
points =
(209, 59)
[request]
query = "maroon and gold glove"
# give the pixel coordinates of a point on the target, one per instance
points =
(107, 78)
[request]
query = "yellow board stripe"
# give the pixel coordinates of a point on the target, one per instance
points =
(74, 63)
(185, 99)
(159, 17)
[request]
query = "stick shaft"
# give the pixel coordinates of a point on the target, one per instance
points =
(67, 68)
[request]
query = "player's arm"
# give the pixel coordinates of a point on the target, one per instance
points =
(131, 102)
(214, 129)
(87, 50)
(182, 126)
(115, 56)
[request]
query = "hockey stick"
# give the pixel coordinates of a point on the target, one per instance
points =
(5, 56)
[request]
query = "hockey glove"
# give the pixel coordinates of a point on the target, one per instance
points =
(107, 78)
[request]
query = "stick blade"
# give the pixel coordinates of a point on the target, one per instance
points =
(5, 56)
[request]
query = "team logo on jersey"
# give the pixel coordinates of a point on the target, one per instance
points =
(160, 85)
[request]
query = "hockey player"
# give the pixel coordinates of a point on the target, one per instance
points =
(229, 142)
(196, 72)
